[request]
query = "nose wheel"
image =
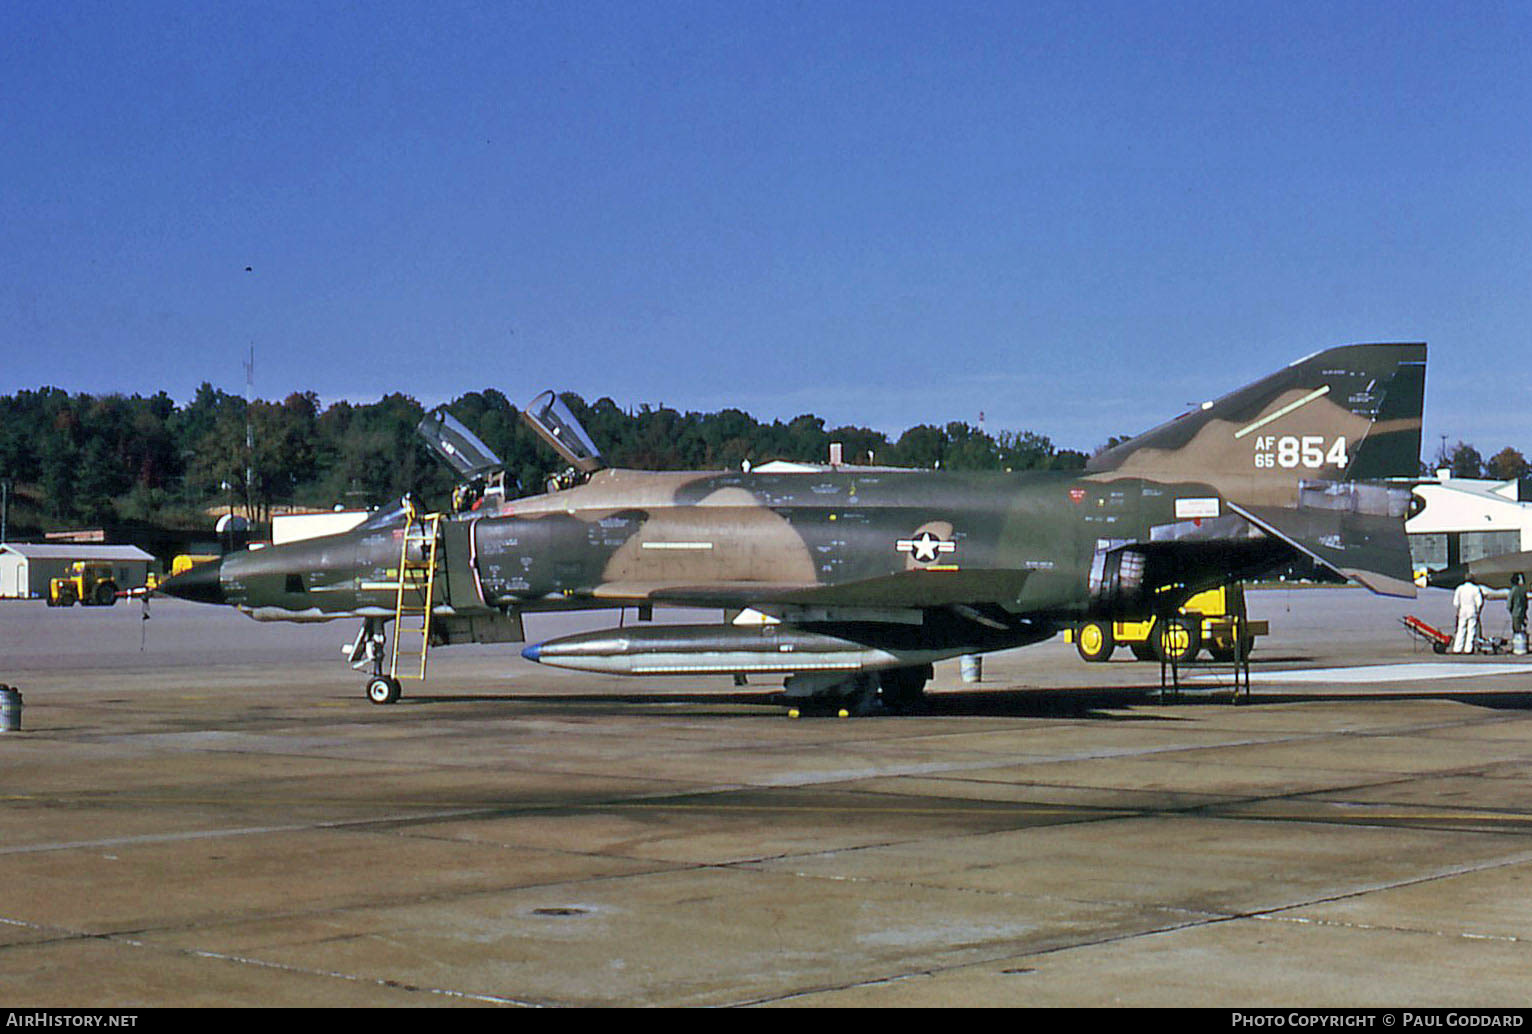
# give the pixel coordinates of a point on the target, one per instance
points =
(383, 689)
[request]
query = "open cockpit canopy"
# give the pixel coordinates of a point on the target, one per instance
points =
(555, 424)
(462, 450)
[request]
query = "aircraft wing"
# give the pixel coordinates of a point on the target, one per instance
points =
(1356, 530)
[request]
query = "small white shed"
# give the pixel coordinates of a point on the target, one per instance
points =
(26, 568)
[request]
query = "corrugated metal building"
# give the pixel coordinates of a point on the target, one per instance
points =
(26, 568)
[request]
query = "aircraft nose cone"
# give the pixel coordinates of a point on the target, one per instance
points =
(200, 583)
(1447, 577)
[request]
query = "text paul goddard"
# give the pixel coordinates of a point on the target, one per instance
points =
(1387, 1019)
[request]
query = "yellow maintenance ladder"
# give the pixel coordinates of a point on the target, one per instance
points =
(417, 585)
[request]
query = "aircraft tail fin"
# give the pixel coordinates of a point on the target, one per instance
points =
(1344, 414)
(1288, 453)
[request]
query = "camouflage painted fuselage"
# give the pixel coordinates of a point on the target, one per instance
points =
(910, 564)
(1009, 546)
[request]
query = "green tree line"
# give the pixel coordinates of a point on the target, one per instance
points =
(1465, 462)
(85, 459)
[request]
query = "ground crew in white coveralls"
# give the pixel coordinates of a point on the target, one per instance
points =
(1468, 600)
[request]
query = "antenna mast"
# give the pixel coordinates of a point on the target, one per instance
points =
(250, 436)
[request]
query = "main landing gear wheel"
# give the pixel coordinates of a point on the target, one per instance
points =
(381, 689)
(903, 690)
(1094, 641)
(892, 691)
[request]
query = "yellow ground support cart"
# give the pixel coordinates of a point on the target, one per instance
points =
(1207, 621)
(86, 582)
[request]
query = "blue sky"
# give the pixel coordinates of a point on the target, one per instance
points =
(1076, 218)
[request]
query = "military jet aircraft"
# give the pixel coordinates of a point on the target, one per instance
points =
(852, 581)
(1492, 572)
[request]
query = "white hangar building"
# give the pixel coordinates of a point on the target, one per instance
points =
(1458, 520)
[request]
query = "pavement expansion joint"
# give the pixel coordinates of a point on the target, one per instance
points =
(244, 960)
(1466, 935)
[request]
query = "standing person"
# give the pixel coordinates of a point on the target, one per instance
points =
(1518, 605)
(1468, 601)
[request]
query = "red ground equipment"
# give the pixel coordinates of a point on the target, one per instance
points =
(1438, 640)
(1441, 642)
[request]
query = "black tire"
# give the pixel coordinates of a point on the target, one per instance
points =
(1094, 641)
(902, 690)
(1176, 639)
(106, 594)
(382, 689)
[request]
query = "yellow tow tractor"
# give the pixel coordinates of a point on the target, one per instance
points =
(1208, 620)
(87, 582)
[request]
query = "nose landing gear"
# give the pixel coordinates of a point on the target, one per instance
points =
(370, 649)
